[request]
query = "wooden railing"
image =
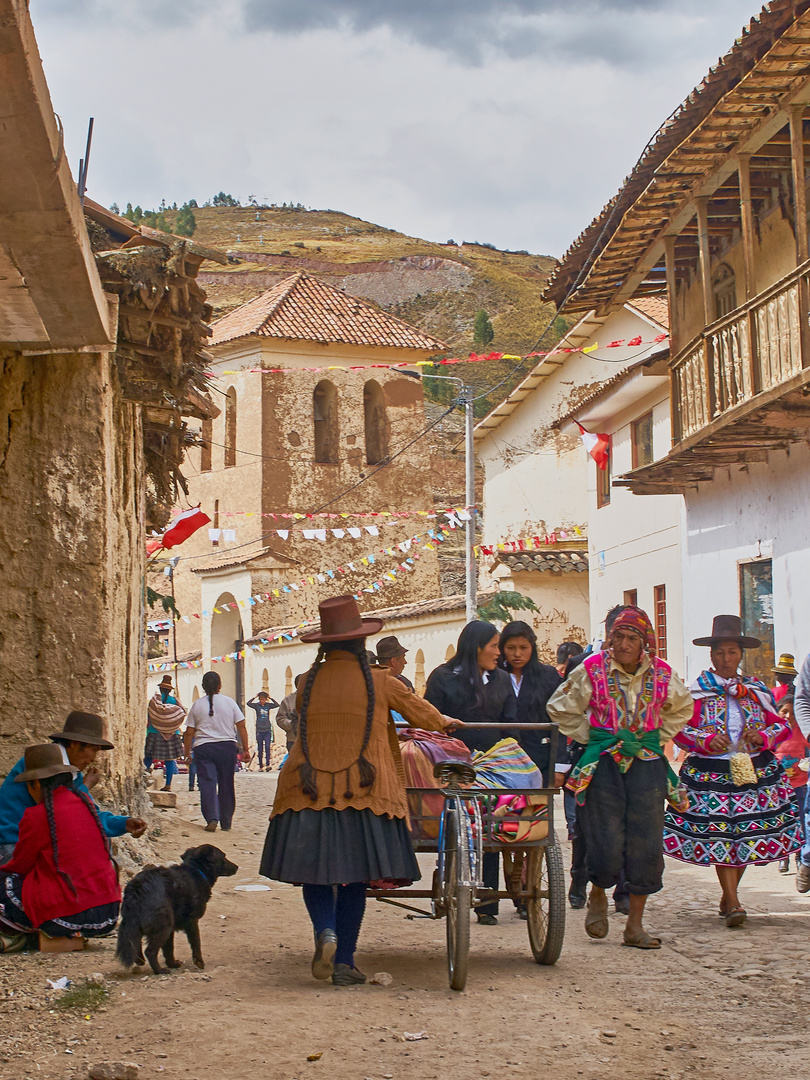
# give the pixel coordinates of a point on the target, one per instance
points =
(756, 348)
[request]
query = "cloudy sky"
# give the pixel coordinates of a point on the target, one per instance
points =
(502, 121)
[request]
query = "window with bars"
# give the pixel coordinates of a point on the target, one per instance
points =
(660, 594)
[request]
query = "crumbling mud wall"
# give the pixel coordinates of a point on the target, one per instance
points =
(71, 561)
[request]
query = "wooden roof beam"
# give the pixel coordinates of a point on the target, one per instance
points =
(655, 251)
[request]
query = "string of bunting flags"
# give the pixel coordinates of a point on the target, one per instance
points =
(280, 636)
(428, 540)
(530, 543)
(455, 520)
(473, 358)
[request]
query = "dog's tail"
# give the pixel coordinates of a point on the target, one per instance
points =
(128, 950)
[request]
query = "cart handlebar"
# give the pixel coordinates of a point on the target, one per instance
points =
(514, 724)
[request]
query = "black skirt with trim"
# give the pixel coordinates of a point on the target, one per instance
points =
(338, 847)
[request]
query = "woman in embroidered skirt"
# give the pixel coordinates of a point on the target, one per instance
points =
(740, 811)
(339, 819)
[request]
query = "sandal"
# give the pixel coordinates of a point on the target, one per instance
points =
(736, 917)
(641, 940)
(12, 943)
(596, 919)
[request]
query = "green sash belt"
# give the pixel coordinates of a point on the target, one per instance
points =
(630, 745)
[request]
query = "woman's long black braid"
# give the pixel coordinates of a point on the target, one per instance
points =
(47, 787)
(307, 771)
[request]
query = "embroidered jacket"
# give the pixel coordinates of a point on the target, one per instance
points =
(710, 714)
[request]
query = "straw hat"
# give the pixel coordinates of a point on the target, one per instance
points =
(84, 727)
(728, 628)
(786, 665)
(341, 621)
(42, 761)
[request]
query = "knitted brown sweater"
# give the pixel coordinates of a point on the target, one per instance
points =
(336, 720)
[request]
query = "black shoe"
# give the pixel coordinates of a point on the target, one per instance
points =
(622, 905)
(488, 920)
(325, 949)
(343, 975)
(577, 899)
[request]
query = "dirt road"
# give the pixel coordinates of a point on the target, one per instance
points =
(713, 1003)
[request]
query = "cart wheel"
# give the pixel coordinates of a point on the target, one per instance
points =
(546, 909)
(457, 899)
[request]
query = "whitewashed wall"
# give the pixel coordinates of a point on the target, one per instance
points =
(635, 542)
(536, 480)
(755, 511)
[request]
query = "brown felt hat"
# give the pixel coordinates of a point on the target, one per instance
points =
(341, 621)
(42, 761)
(728, 628)
(83, 727)
(166, 681)
(389, 647)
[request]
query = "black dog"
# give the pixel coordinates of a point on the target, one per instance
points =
(162, 899)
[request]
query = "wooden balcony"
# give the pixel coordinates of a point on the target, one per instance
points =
(738, 390)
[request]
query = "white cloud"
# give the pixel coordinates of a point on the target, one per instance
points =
(380, 109)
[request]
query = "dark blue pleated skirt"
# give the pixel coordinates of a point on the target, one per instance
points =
(337, 847)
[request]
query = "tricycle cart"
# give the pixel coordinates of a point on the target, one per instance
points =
(459, 823)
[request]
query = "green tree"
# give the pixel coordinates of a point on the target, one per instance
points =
(224, 200)
(185, 223)
(499, 607)
(482, 329)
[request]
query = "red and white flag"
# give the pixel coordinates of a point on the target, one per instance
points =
(598, 446)
(183, 526)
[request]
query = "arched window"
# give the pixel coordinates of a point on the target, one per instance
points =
(230, 427)
(419, 672)
(288, 681)
(206, 436)
(265, 681)
(724, 287)
(195, 694)
(325, 422)
(451, 652)
(376, 423)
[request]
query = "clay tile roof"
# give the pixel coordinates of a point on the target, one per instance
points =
(302, 308)
(553, 562)
(654, 307)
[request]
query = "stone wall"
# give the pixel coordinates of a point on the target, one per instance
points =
(71, 557)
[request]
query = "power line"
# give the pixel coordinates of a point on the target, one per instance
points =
(365, 479)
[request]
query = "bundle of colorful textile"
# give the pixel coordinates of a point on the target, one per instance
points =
(163, 717)
(421, 750)
(506, 765)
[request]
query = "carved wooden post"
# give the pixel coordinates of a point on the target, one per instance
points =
(747, 223)
(674, 337)
(702, 205)
(800, 220)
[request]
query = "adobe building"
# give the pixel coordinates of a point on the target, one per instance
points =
(100, 333)
(308, 425)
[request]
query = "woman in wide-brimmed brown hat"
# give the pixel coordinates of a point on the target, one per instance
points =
(61, 879)
(340, 812)
(740, 812)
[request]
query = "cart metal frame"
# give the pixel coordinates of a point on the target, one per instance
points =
(466, 827)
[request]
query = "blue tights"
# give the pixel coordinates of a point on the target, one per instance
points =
(339, 908)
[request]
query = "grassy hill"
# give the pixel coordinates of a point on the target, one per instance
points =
(437, 287)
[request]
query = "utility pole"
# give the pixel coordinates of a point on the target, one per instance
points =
(471, 570)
